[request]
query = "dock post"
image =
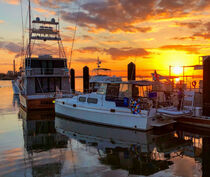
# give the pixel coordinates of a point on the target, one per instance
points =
(205, 157)
(132, 76)
(85, 79)
(206, 86)
(72, 75)
(131, 71)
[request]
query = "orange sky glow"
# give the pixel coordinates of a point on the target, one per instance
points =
(151, 33)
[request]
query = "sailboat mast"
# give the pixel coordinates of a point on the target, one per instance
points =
(29, 44)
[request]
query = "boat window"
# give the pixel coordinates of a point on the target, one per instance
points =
(59, 64)
(125, 91)
(51, 84)
(44, 64)
(82, 99)
(112, 91)
(58, 83)
(38, 85)
(35, 64)
(92, 100)
(102, 89)
(141, 91)
(45, 84)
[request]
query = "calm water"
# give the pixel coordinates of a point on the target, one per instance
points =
(37, 144)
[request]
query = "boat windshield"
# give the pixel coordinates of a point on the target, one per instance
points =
(122, 90)
(102, 89)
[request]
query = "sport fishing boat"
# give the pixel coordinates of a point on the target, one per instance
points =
(118, 104)
(45, 76)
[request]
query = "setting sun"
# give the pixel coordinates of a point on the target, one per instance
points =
(177, 70)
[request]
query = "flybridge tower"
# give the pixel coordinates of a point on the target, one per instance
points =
(46, 31)
(43, 30)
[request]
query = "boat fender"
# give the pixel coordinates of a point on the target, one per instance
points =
(135, 106)
(112, 110)
(74, 105)
(194, 83)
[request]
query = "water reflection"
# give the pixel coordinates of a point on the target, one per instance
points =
(139, 153)
(41, 142)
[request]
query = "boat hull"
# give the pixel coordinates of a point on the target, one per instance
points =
(103, 117)
(172, 113)
(36, 103)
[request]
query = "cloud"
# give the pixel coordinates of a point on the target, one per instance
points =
(1, 21)
(45, 11)
(52, 3)
(117, 53)
(128, 15)
(203, 33)
(70, 28)
(13, 2)
(191, 49)
(89, 50)
(10, 46)
(184, 38)
(124, 53)
(108, 15)
(87, 37)
(191, 25)
(86, 60)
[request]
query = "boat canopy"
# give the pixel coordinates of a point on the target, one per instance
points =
(103, 69)
(137, 83)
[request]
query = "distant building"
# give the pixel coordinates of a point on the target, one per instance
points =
(10, 73)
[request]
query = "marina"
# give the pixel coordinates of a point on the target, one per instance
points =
(45, 145)
(91, 92)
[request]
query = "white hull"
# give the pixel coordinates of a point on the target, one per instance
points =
(104, 117)
(173, 113)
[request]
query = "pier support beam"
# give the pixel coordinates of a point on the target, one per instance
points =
(85, 79)
(72, 75)
(206, 86)
(205, 157)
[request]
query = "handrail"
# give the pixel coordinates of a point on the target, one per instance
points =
(46, 71)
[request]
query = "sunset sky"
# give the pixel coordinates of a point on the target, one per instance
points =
(151, 33)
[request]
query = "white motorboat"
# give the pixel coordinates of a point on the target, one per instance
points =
(118, 104)
(189, 108)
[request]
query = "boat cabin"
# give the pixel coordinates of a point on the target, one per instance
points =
(123, 92)
(46, 74)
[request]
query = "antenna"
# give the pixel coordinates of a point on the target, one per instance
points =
(23, 37)
(29, 45)
(98, 62)
(74, 35)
